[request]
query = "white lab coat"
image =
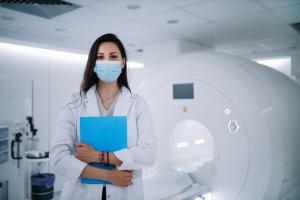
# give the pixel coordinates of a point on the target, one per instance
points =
(141, 151)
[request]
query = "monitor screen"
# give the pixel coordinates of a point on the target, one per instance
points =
(183, 91)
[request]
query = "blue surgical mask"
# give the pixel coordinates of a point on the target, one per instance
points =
(108, 71)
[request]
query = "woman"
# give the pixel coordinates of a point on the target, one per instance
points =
(104, 92)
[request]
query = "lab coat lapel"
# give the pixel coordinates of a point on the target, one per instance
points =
(92, 108)
(123, 103)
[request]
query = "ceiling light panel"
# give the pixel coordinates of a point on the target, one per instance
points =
(41, 8)
(82, 2)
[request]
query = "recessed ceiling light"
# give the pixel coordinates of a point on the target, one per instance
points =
(7, 18)
(131, 45)
(133, 7)
(172, 21)
(60, 29)
(139, 50)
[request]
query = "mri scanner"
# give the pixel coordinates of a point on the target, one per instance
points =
(225, 125)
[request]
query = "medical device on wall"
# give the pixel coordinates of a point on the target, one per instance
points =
(32, 138)
(19, 153)
(24, 139)
(17, 148)
(239, 136)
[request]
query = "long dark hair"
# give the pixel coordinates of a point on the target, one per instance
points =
(90, 77)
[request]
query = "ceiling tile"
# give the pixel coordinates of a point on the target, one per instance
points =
(213, 40)
(25, 35)
(250, 22)
(198, 31)
(289, 14)
(185, 19)
(28, 24)
(119, 7)
(153, 39)
(140, 41)
(238, 26)
(90, 18)
(21, 19)
(180, 3)
(5, 27)
(42, 34)
(132, 29)
(83, 36)
(269, 32)
(220, 9)
(278, 3)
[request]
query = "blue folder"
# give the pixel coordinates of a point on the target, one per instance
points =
(105, 133)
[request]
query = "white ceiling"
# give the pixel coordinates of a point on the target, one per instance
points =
(242, 27)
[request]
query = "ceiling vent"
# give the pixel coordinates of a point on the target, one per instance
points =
(296, 26)
(42, 8)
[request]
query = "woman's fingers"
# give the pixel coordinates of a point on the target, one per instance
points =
(83, 144)
(122, 178)
(80, 144)
(129, 181)
(128, 173)
(128, 178)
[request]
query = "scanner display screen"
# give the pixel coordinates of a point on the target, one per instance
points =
(183, 91)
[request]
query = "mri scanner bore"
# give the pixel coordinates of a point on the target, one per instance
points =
(226, 126)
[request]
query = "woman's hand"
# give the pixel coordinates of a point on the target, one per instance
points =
(122, 178)
(86, 153)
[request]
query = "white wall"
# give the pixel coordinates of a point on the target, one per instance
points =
(17, 70)
(55, 77)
